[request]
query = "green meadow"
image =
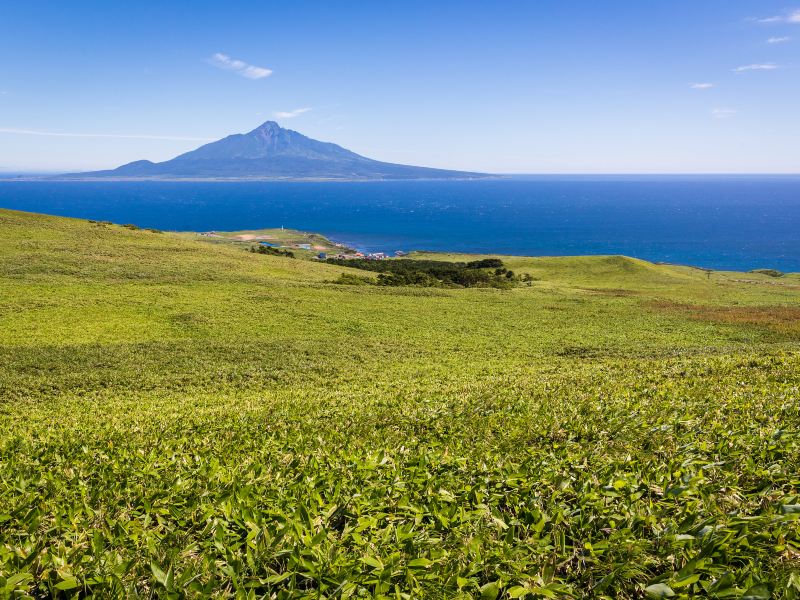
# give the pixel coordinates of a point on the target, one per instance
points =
(182, 418)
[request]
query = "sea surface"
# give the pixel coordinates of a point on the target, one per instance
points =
(718, 222)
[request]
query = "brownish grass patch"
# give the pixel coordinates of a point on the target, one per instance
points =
(612, 292)
(782, 319)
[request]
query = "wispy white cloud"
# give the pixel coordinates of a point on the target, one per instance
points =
(778, 40)
(757, 67)
(792, 17)
(133, 136)
(701, 86)
(223, 61)
(291, 114)
(723, 112)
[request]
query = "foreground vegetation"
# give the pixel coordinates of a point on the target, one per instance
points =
(184, 418)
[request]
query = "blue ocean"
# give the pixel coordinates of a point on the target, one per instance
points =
(719, 222)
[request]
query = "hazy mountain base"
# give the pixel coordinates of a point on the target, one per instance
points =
(180, 417)
(271, 152)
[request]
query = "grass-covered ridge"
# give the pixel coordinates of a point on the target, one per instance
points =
(184, 417)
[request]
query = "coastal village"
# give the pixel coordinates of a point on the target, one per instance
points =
(356, 254)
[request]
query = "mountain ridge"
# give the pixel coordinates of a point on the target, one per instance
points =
(271, 152)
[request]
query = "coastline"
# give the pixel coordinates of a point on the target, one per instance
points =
(311, 244)
(706, 223)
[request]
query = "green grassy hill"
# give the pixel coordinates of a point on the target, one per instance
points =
(179, 417)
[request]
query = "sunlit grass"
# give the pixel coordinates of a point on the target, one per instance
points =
(180, 417)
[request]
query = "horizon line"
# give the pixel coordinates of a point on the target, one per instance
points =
(10, 172)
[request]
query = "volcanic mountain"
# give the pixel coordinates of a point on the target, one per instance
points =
(271, 152)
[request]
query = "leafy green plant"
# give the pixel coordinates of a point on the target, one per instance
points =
(184, 419)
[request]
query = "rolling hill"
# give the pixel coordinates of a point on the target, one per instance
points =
(180, 417)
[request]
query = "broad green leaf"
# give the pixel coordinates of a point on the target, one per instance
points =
(420, 562)
(279, 577)
(728, 592)
(685, 581)
(659, 590)
(68, 584)
(543, 591)
(758, 592)
(159, 574)
(794, 581)
(490, 591)
(372, 562)
(18, 579)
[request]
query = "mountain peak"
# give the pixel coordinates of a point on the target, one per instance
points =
(271, 152)
(269, 127)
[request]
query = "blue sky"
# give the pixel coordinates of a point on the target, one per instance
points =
(520, 87)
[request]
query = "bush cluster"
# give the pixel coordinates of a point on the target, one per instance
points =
(769, 272)
(488, 272)
(262, 249)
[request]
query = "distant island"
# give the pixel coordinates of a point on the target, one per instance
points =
(270, 152)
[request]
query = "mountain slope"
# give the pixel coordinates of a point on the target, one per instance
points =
(271, 152)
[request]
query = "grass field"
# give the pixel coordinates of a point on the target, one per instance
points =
(304, 244)
(180, 418)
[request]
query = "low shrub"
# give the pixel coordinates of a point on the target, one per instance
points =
(262, 249)
(488, 272)
(769, 272)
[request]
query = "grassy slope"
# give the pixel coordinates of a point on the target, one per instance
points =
(237, 423)
(281, 237)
